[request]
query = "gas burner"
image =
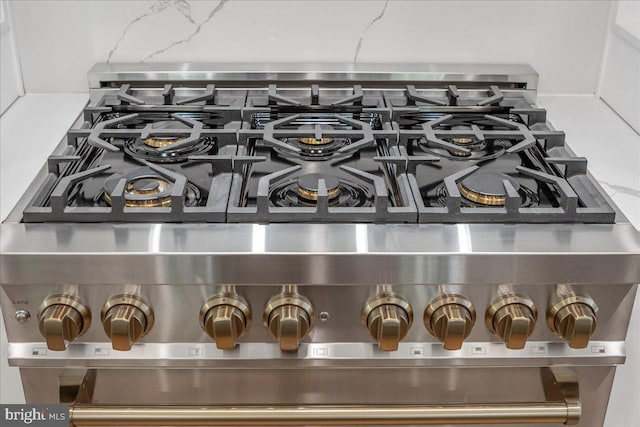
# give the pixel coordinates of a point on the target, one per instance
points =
(148, 148)
(486, 189)
(303, 192)
(145, 188)
(469, 143)
(308, 186)
(478, 150)
(311, 146)
(463, 140)
(159, 141)
(315, 141)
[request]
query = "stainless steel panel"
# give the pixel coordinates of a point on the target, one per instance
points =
(103, 74)
(326, 254)
(177, 310)
(315, 356)
(322, 386)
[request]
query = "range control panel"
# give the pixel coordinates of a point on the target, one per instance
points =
(291, 315)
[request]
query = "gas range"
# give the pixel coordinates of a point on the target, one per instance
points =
(301, 233)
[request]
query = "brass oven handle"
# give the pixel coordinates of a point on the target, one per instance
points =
(507, 413)
(562, 406)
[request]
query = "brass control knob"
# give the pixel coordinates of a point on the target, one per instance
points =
(225, 317)
(388, 318)
(450, 318)
(574, 318)
(289, 317)
(62, 319)
(512, 317)
(126, 319)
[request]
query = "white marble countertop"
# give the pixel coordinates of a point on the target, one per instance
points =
(612, 147)
(36, 123)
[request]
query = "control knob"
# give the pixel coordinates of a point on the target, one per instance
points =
(574, 318)
(225, 317)
(289, 317)
(126, 319)
(512, 317)
(62, 319)
(450, 318)
(387, 317)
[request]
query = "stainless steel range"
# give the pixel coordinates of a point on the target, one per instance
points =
(317, 245)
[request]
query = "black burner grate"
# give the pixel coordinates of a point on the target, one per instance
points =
(308, 152)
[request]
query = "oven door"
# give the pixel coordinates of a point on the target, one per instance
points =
(254, 396)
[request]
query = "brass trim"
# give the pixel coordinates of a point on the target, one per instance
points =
(560, 385)
(560, 303)
(446, 299)
(504, 301)
(132, 300)
(382, 299)
(559, 312)
(483, 199)
(231, 299)
(316, 141)
(162, 202)
(313, 195)
(71, 301)
(161, 142)
(515, 307)
(238, 304)
(463, 140)
(399, 318)
(288, 298)
(527, 413)
(450, 308)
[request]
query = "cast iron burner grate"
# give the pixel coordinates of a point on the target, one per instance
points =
(97, 179)
(357, 181)
(352, 102)
(437, 152)
(484, 168)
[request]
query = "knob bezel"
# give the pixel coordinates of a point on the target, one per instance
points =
(565, 301)
(386, 298)
(231, 300)
(504, 301)
(71, 301)
(134, 301)
(443, 300)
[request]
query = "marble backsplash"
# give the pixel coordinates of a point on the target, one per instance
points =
(59, 41)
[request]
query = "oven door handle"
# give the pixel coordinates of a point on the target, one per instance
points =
(562, 406)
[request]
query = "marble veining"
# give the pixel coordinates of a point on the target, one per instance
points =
(367, 28)
(211, 15)
(181, 6)
(622, 189)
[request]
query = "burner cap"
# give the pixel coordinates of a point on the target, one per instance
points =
(315, 141)
(486, 188)
(147, 185)
(144, 188)
(308, 186)
(163, 141)
(309, 140)
(462, 140)
(159, 142)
